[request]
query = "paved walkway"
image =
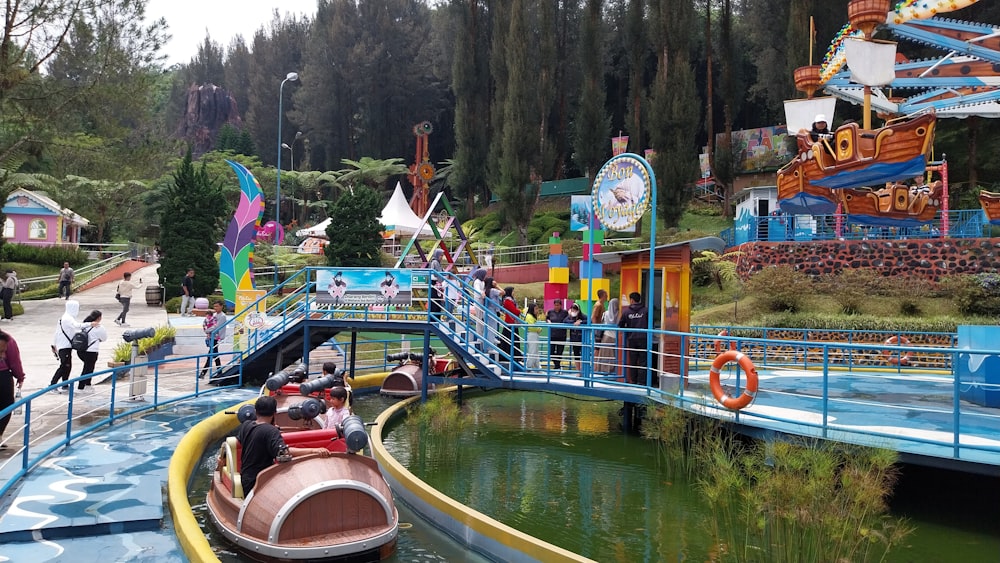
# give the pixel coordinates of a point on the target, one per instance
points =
(35, 329)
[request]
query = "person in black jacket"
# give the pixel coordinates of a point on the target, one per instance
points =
(636, 316)
(557, 335)
(576, 318)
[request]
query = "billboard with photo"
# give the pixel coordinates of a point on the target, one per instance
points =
(581, 209)
(363, 288)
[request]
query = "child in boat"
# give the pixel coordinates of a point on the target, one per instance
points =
(336, 407)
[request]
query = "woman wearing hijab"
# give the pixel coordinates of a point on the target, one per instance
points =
(478, 306)
(609, 337)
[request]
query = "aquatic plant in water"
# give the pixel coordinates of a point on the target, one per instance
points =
(440, 412)
(810, 501)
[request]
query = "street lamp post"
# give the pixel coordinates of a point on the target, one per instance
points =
(293, 76)
(291, 150)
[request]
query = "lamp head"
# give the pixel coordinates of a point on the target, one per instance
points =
(285, 146)
(293, 76)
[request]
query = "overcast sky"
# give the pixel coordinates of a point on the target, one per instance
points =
(224, 19)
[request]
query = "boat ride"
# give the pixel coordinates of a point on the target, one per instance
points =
(308, 507)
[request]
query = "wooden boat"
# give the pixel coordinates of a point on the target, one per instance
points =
(309, 508)
(990, 201)
(853, 158)
(895, 205)
(407, 378)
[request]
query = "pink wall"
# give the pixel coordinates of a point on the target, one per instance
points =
(21, 223)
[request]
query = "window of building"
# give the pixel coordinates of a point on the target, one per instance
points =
(8, 228)
(38, 229)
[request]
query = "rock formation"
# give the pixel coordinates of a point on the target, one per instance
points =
(208, 108)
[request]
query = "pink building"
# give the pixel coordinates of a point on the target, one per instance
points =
(33, 218)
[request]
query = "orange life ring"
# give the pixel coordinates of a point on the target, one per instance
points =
(718, 343)
(897, 358)
(749, 390)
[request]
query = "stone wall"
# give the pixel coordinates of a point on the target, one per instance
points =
(928, 258)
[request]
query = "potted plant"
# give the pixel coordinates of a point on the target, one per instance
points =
(160, 345)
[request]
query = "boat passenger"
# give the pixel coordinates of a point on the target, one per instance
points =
(336, 407)
(262, 443)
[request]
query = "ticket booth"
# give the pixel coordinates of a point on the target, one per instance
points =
(670, 306)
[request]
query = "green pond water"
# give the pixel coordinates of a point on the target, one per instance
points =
(559, 468)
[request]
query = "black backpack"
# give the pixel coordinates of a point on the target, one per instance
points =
(81, 340)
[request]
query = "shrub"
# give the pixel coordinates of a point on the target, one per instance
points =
(977, 294)
(853, 287)
(909, 293)
(46, 255)
(781, 288)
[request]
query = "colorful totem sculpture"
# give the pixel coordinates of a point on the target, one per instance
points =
(592, 277)
(558, 284)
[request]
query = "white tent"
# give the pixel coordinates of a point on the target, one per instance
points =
(396, 214)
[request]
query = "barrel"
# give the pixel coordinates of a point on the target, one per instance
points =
(154, 295)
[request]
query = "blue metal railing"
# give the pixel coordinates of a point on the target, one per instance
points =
(965, 223)
(41, 438)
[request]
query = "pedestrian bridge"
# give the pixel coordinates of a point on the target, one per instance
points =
(845, 386)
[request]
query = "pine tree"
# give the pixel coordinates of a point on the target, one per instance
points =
(593, 124)
(191, 228)
(519, 140)
(355, 233)
(470, 81)
(674, 111)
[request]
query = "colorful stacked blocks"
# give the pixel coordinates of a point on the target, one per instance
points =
(558, 284)
(592, 273)
(598, 284)
(588, 248)
(591, 270)
(559, 275)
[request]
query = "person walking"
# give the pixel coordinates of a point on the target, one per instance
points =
(95, 335)
(636, 317)
(213, 320)
(7, 295)
(62, 342)
(11, 377)
(66, 278)
(187, 294)
(124, 293)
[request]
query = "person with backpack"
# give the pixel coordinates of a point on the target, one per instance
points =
(7, 290)
(62, 342)
(66, 277)
(212, 321)
(124, 295)
(95, 335)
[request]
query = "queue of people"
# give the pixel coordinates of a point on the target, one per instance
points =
(502, 330)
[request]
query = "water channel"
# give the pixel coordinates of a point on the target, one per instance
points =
(559, 468)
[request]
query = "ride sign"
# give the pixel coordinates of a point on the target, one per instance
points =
(622, 192)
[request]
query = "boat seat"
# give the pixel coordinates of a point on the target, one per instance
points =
(231, 470)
